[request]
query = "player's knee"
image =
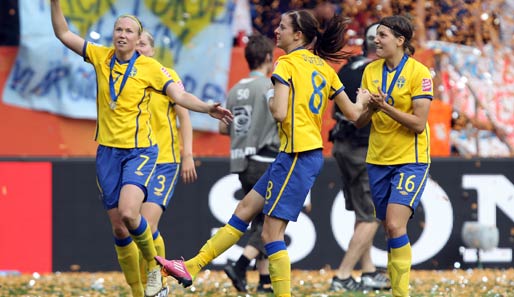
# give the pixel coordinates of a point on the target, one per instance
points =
(120, 231)
(129, 218)
(395, 228)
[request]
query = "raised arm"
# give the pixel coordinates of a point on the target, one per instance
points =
(190, 101)
(61, 30)
(188, 170)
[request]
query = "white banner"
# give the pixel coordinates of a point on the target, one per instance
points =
(193, 37)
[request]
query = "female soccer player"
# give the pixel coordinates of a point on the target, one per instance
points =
(169, 161)
(127, 149)
(399, 150)
(303, 82)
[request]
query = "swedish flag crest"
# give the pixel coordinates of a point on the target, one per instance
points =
(401, 82)
(133, 72)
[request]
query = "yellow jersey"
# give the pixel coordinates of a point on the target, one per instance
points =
(164, 124)
(312, 82)
(124, 122)
(391, 143)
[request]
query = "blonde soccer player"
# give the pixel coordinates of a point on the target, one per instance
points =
(127, 150)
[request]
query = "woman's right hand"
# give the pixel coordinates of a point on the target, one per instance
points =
(363, 96)
(220, 113)
(71, 40)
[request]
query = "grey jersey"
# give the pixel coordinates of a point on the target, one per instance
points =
(254, 129)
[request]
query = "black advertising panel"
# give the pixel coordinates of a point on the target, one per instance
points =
(458, 191)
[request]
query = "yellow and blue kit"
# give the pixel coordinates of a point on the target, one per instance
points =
(164, 124)
(127, 150)
(290, 177)
(398, 158)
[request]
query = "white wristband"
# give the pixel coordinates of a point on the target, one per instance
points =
(270, 93)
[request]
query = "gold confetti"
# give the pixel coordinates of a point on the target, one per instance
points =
(456, 282)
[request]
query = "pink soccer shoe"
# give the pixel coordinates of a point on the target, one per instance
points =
(177, 269)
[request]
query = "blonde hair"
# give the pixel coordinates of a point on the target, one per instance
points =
(150, 37)
(134, 18)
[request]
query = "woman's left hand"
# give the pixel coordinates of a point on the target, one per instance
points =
(188, 171)
(378, 100)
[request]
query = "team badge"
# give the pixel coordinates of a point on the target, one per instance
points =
(400, 82)
(133, 72)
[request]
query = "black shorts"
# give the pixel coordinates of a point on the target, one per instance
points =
(351, 161)
(248, 178)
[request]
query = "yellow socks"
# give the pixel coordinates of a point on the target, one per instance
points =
(158, 242)
(159, 247)
(143, 267)
(128, 257)
(279, 268)
(143, 238)
(399, 265)
(226, 237)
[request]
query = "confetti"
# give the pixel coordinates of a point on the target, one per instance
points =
(456, 282)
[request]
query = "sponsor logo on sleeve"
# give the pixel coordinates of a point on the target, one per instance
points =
(165, 71)
(426, 85)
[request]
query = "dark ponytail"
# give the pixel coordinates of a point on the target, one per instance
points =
(328, 44)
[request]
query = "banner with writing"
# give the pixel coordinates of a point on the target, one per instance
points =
(193, 37)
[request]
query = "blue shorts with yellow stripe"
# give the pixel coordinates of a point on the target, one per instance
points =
(116, 167)
(400, 184)
(163, 184)
(287, 182)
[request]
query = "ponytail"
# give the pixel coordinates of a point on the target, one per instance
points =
(329, 44)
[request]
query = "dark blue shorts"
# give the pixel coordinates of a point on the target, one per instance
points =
(163, 184)
(116, 167)
(400, 184)
(287, 182)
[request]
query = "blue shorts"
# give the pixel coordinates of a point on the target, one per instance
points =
(163, 183)
(400, 184)
(287, 182)
(116, 167)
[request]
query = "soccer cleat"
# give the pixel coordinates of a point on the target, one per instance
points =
(153, 282)
(376, 280)
(347, 284)
(177, 269)
(164, 292)
(238, 281)
(264, 289)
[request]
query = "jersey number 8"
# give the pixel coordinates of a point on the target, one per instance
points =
(317, 92)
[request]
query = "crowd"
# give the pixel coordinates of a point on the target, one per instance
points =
(459, 21)
(485, 26)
